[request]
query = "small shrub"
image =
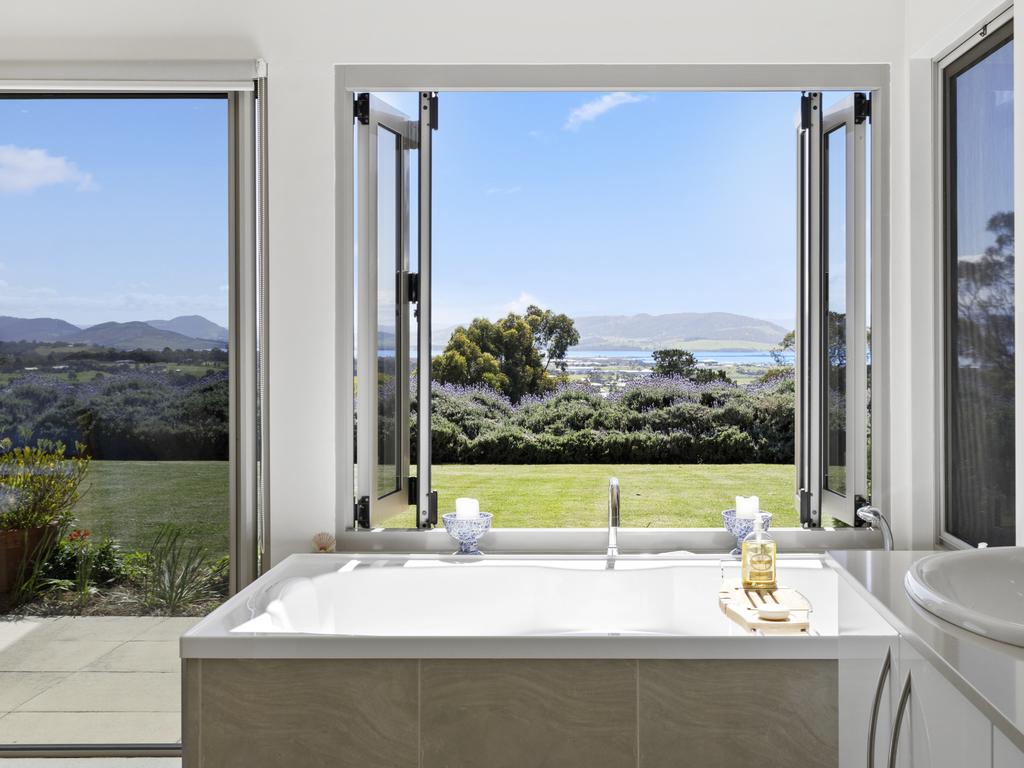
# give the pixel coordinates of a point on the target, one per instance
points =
(40, 484)
(179, 573)
(108, 562)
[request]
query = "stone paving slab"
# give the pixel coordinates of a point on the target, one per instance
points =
(91, 679)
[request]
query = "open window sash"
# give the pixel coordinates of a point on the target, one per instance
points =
(386, 140)
(832, 324)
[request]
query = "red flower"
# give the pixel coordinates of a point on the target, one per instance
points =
(80, 534)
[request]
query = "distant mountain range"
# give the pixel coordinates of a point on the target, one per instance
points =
(710, 331)
(185, 332)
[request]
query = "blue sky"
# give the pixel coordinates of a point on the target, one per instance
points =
(596, 203)
(589, 203)
(113, 209)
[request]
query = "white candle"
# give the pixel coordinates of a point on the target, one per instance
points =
(747, 507)
(467, 509)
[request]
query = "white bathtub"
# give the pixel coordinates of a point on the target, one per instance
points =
(393, 606)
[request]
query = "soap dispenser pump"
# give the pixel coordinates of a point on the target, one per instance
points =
(758, 558)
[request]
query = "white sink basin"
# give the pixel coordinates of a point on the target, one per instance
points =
(981, 590)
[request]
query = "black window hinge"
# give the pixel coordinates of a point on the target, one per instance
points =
(431, 108)
(361, 108)
(362, 512)
(412, 287)
(806, 516)
(858, 502)
(808, 104)
(861, 107)
(414, 490)
(432, 509)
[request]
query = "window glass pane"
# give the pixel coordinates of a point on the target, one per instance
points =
(980, 352)
(114, 296)
(835, 318)
(389, 389)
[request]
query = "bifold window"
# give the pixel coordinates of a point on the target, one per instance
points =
(978, 256)
(832, 330)
(543, 303)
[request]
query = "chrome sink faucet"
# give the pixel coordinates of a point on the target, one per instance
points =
(613, 517)
(874, 516)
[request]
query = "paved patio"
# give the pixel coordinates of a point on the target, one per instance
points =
(90, 679)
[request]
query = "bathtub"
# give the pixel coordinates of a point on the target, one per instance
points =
(392, 660)
(344, 605)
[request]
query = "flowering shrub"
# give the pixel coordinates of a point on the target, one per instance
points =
(653, 420)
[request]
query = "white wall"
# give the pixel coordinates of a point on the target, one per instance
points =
(302, 40)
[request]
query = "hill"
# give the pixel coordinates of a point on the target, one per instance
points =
(194, 326)
(137, 335)
(680, 329)
(709, 331)
(35, 329)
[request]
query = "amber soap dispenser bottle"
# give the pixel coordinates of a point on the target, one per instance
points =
(758, 558)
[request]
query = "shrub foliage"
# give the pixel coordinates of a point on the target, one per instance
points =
(659, 420)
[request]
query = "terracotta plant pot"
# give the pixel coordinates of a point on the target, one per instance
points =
(19, 552)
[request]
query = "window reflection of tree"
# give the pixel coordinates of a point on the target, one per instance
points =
(835, 334)
(983, 428)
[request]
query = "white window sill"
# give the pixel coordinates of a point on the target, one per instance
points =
(595, 540)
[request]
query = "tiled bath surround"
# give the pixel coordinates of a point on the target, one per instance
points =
(509, 713)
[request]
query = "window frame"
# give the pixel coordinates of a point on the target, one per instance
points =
(243, 84)
(350, 79)
(991, 35)
(814, 500)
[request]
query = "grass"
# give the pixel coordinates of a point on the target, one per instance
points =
(130, 500)
(576, 495)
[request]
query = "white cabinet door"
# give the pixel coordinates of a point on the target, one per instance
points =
(940, 728)
(1005, 753)
(867, 666)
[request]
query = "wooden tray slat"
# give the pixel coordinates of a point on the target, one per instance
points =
(738, 604)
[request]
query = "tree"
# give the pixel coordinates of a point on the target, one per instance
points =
(674, 362)
(502, 355)
(780, 354)
(552, 334)
(680, 362)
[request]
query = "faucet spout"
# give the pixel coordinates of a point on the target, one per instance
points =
(613, 517)
(874, 516)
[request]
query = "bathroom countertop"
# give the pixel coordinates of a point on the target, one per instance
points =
(989, 673)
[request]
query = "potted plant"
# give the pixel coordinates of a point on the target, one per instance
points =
(38, 490)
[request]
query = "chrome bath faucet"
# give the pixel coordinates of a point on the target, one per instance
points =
(613, 517)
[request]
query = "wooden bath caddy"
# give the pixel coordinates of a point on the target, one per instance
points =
(741, 605)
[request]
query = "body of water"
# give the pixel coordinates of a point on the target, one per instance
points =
(710, 356)
(642, 356)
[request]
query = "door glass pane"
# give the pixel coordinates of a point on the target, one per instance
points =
(980, 353)
(389, 388)
(114, 408)
(835, 312)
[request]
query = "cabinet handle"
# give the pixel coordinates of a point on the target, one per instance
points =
(886, 667)
(900, 711)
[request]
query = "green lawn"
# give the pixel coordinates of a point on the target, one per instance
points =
(576, 495)
(129, 500)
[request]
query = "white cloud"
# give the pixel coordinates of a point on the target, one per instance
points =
(520, 304)
(597, 107)
(24, 170)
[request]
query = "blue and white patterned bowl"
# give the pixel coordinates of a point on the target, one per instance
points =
(741, 527)
(467, 531)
